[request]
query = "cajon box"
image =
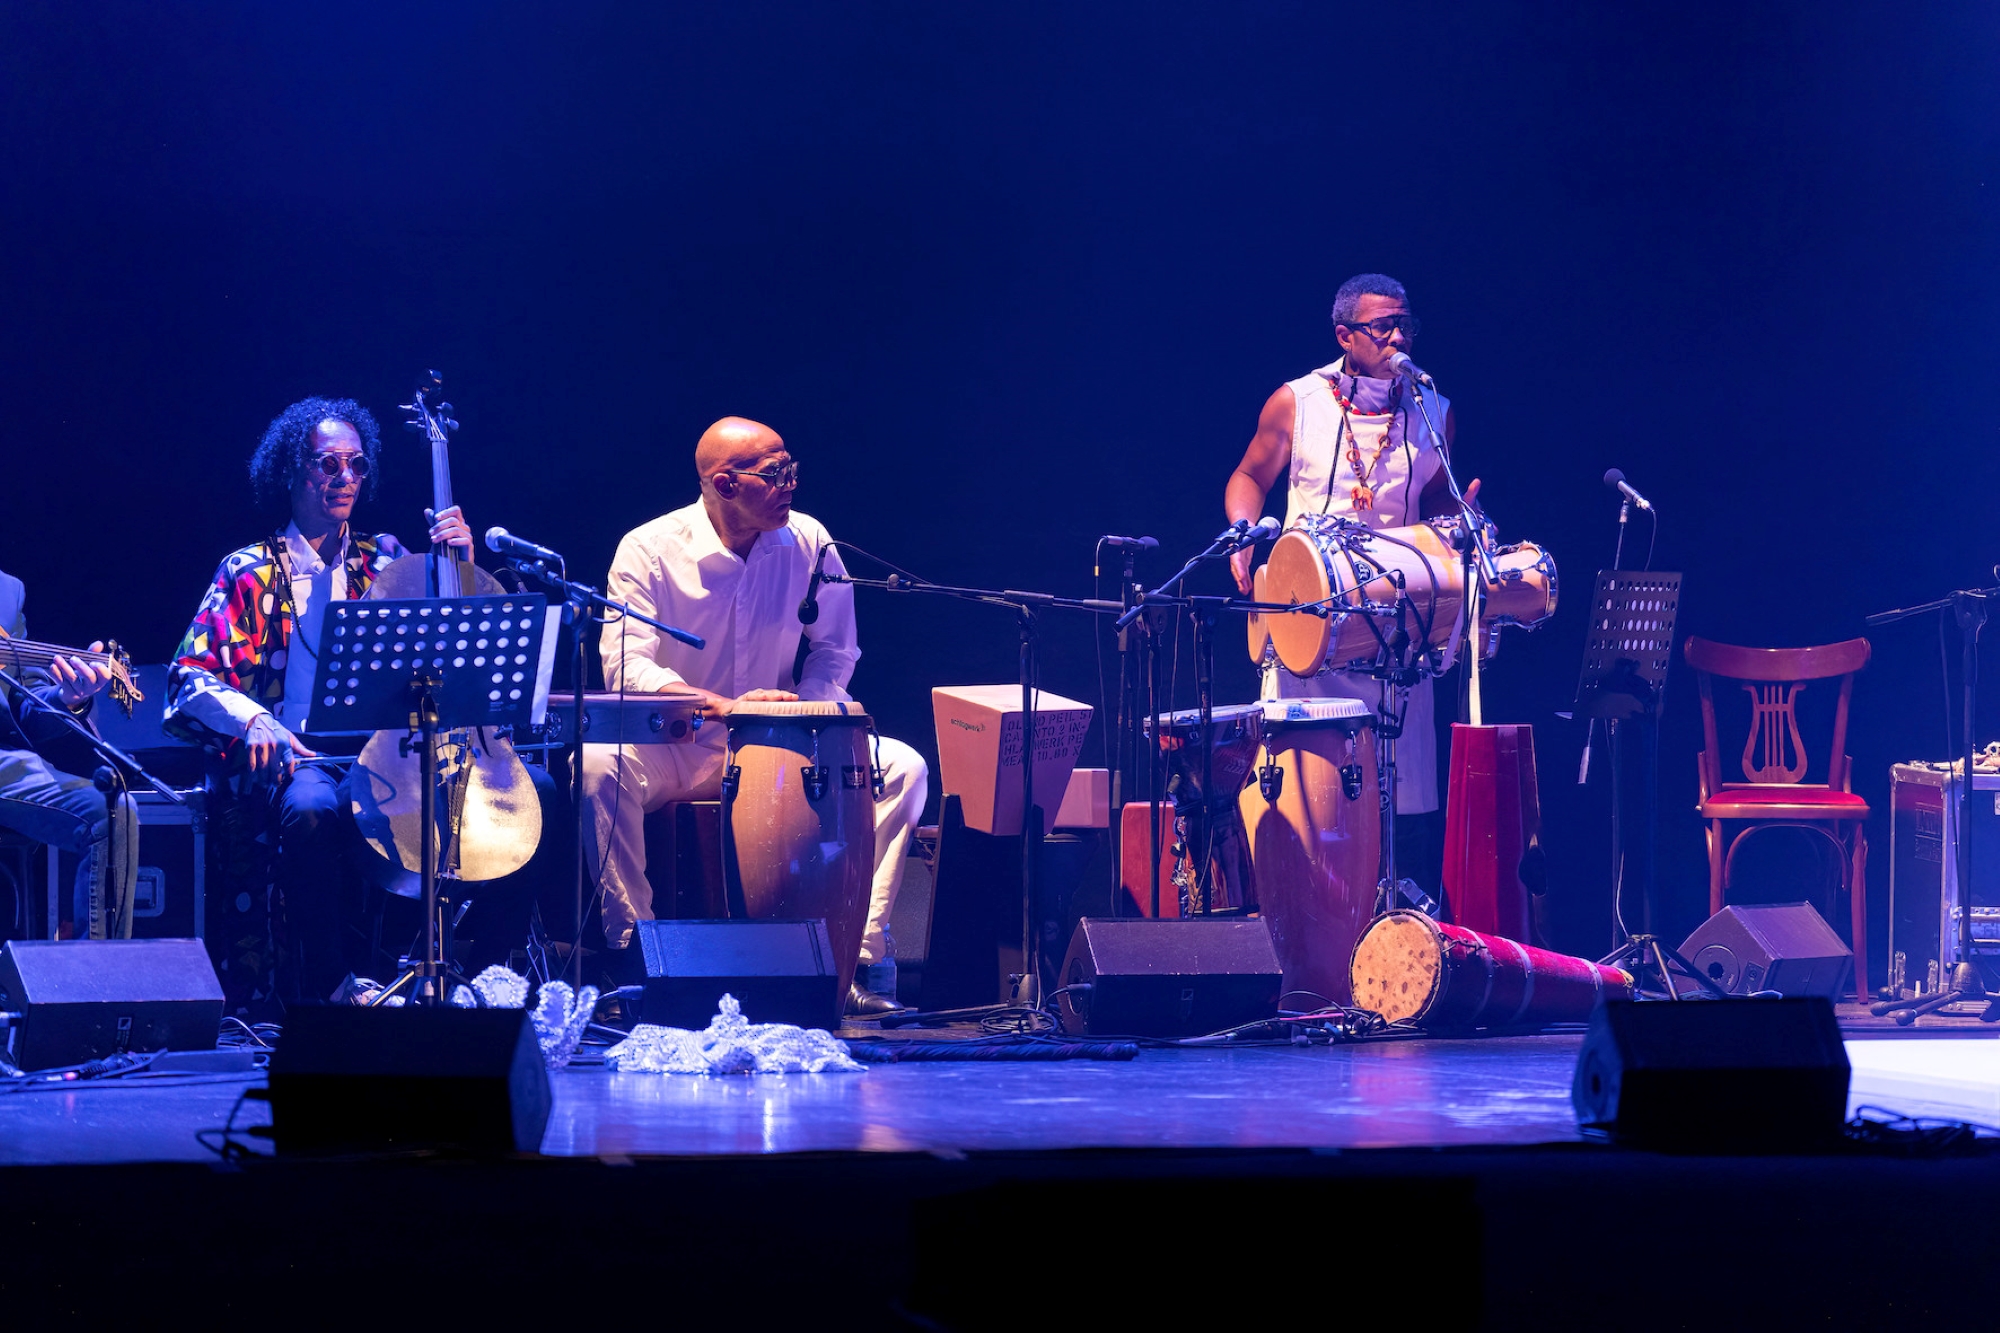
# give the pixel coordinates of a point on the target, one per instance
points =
(979, 751)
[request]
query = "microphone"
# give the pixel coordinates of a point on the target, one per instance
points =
(1616, 481)
(1234, 532)
(1129, 543)
(1400, 363)
(1267, 528)
(809, 607)
(506, 543)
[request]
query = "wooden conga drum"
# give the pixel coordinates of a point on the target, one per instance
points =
(1313, 813)
(798, 818)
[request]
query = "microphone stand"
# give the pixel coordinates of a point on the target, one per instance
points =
(1127, 738)
(1968, 607)
(578, 600)
(1028, 990)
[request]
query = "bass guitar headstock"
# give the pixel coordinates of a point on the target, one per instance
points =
(432, 419)
(124, 689)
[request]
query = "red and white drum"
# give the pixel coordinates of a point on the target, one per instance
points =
(798, 811)
(1313, 814)
(1408, 967)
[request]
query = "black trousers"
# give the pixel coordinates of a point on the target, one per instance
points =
(330, 923)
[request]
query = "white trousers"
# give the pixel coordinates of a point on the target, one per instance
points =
(624, 783)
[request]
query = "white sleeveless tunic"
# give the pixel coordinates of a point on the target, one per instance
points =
(1322, 481)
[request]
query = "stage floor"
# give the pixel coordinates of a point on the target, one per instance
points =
(1409, 1093)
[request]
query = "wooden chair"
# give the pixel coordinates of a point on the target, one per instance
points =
(1774, 762)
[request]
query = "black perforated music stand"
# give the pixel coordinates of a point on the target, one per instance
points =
(1626, 652)
(425, 665)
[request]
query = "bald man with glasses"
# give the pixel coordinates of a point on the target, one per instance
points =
(733, 568)
(1350, 440)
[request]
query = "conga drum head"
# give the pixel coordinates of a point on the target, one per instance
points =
(1398, 963)
(1297, 574)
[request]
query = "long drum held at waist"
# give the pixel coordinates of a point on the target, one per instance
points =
(798, 805)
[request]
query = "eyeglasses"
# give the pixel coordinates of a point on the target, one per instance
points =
(1384, 328)
(332, 465)
(783, 477)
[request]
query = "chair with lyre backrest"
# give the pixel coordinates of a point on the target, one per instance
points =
(1773, 793)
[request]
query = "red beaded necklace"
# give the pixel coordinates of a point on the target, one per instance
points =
(1361, 492)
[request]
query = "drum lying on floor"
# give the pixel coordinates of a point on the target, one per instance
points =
(1409, 967)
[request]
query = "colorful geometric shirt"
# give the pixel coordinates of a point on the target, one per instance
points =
(243, 630)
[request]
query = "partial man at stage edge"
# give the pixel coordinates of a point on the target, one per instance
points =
(46, 791)
(733, 568)
(1349, 441)
(240, 687)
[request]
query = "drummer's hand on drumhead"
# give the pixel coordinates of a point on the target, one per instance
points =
(449, 528)
(768, 697)
(1239, 565)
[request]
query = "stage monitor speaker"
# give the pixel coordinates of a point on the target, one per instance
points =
(351, 1079)
(1785, 947)
(1714, 1075)
(1168, 978)
(81, 1000)
(779, 971)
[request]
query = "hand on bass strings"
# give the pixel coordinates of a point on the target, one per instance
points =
(273, 750)
(710, 704)
(449, 528)
(77, 679)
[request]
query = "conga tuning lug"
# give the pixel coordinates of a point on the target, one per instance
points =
(1350, 781)
(731, 776)
(816, 776)
(1271, 781)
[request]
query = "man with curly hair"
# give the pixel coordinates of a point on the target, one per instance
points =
(241, 681)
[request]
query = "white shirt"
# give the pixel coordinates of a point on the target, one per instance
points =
(677, 570)
(1323, 478)
(315, 582)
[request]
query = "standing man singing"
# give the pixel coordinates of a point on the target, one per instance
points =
(733, 567)
(1350, 440)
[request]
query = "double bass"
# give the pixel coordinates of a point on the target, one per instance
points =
(489, 820)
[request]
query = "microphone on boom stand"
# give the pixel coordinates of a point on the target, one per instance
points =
(809, 613)
(503, 542)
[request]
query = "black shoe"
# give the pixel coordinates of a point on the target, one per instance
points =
(865, 1003)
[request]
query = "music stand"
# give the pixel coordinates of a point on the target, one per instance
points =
(1626, 652)
(424, 665)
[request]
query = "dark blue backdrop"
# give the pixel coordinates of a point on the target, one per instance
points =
(1008, 276)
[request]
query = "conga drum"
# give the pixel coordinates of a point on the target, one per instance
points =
(1314, 817)
(1210, 829)
(1408, 967)
(798, 818)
